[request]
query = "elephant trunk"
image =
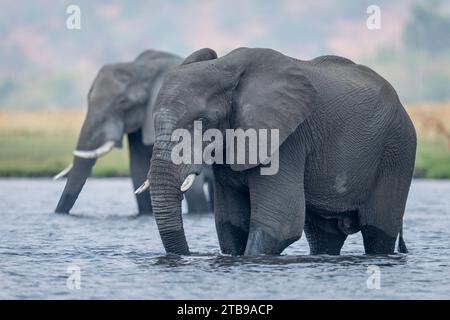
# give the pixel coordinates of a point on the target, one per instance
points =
(95, 140)
(165, 181)
(77, 177)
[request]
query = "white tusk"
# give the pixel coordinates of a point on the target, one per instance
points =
(100, 151)
(142, 188)
(188, 182)
(63, 172)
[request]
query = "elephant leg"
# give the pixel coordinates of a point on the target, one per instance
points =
(209, 187)
(196, 198)
(323, 235)
(140, 156)
(381, 218)
(277, 208)
(232, 215)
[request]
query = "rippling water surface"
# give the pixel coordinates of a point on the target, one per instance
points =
(120, 254)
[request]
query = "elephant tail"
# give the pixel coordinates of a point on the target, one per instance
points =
(401, 243)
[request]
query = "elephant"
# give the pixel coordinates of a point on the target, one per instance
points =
(120, 102)
(346, 152)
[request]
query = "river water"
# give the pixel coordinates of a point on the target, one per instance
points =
(103, 250)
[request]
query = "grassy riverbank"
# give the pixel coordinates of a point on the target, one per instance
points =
(432, 123)
(41, 143)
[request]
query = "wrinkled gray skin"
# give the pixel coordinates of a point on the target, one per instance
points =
(120, 102)
(346, 157)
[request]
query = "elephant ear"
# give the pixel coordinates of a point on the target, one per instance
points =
(272, 93)
(200, 55)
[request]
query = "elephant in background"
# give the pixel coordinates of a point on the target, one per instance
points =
(120, 102)
(346, 152)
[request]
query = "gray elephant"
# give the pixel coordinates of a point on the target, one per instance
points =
(346, 152)
(120, 102)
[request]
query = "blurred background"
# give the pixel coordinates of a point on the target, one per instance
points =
(46, 69)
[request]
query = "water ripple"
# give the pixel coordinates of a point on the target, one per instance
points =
(120, 254)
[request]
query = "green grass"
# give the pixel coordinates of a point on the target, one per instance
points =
(41, 144)
(43, 154)
(31, 147)
(433, 159)
(46, 155)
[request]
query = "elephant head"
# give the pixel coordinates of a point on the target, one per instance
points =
(120, 102)
(247, 88)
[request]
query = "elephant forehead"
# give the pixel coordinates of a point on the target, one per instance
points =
(105, 85)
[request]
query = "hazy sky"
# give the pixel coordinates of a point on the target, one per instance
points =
(43, 63)
(35, 31)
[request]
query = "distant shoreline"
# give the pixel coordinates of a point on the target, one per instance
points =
(40, 143)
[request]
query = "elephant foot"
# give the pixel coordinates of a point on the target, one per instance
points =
(376, 241)
(325, 243)
(324, 235)
(261, 242)
(233, 239)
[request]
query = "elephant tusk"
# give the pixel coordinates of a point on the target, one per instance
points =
(64, 172)
(142, 188)
(100, 151)
(188, 182)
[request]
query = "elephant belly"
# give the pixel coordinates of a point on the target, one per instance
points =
(341, 171)
(341, 181)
